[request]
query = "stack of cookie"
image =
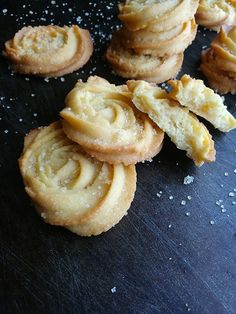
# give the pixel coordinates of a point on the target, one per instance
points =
(219, 61)
(214, 14)
(150, 45)
(80, 172)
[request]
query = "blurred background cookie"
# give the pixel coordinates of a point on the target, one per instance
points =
(218, 63)
(215, 13)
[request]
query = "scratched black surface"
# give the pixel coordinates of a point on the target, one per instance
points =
(159, 259)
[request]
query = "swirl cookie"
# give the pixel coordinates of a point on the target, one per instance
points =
(218, 63)
(202, 101)
(160, 44)
(49, 51)
(128, 64)
(71, 189)
(154, 15)
(215, 13)
(101, 117)
(183, 128)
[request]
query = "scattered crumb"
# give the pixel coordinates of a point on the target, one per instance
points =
(113, 290)
(188, 180)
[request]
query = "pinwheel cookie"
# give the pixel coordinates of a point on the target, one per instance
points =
(49, 51)
(219, 61)
(201, 100)
(183, 127)
(215, 13)
(101, 117)
(160, 44)
(71, 189)
(128, 64)
(154, 15)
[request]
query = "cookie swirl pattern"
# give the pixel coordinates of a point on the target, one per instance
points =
(49, 51)
(101, 117)
(71, 189)
(216, 13)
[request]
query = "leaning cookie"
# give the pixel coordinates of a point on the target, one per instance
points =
(49, 51)
(126, 63)
(102, 119)
(71, 189)
(183, 127)
(201, 100)
(216, 13)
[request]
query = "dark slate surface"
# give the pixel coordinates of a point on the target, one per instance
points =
(159, 259)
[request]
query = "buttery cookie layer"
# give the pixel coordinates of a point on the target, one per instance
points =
(71, 189)
(49, 51)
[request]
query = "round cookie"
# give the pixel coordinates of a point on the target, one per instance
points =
(215, 13)
(128, 64)
(101, 117)
(49, 51)
(71, 189)
(156, 16)
(159, 44)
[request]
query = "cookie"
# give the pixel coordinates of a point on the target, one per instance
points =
(161, 44)
(216, 13)
(157, 16)
(49, 51)
(101, 117)
(218, 63)
(201, 100)
(126, 63)
(71, 189)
